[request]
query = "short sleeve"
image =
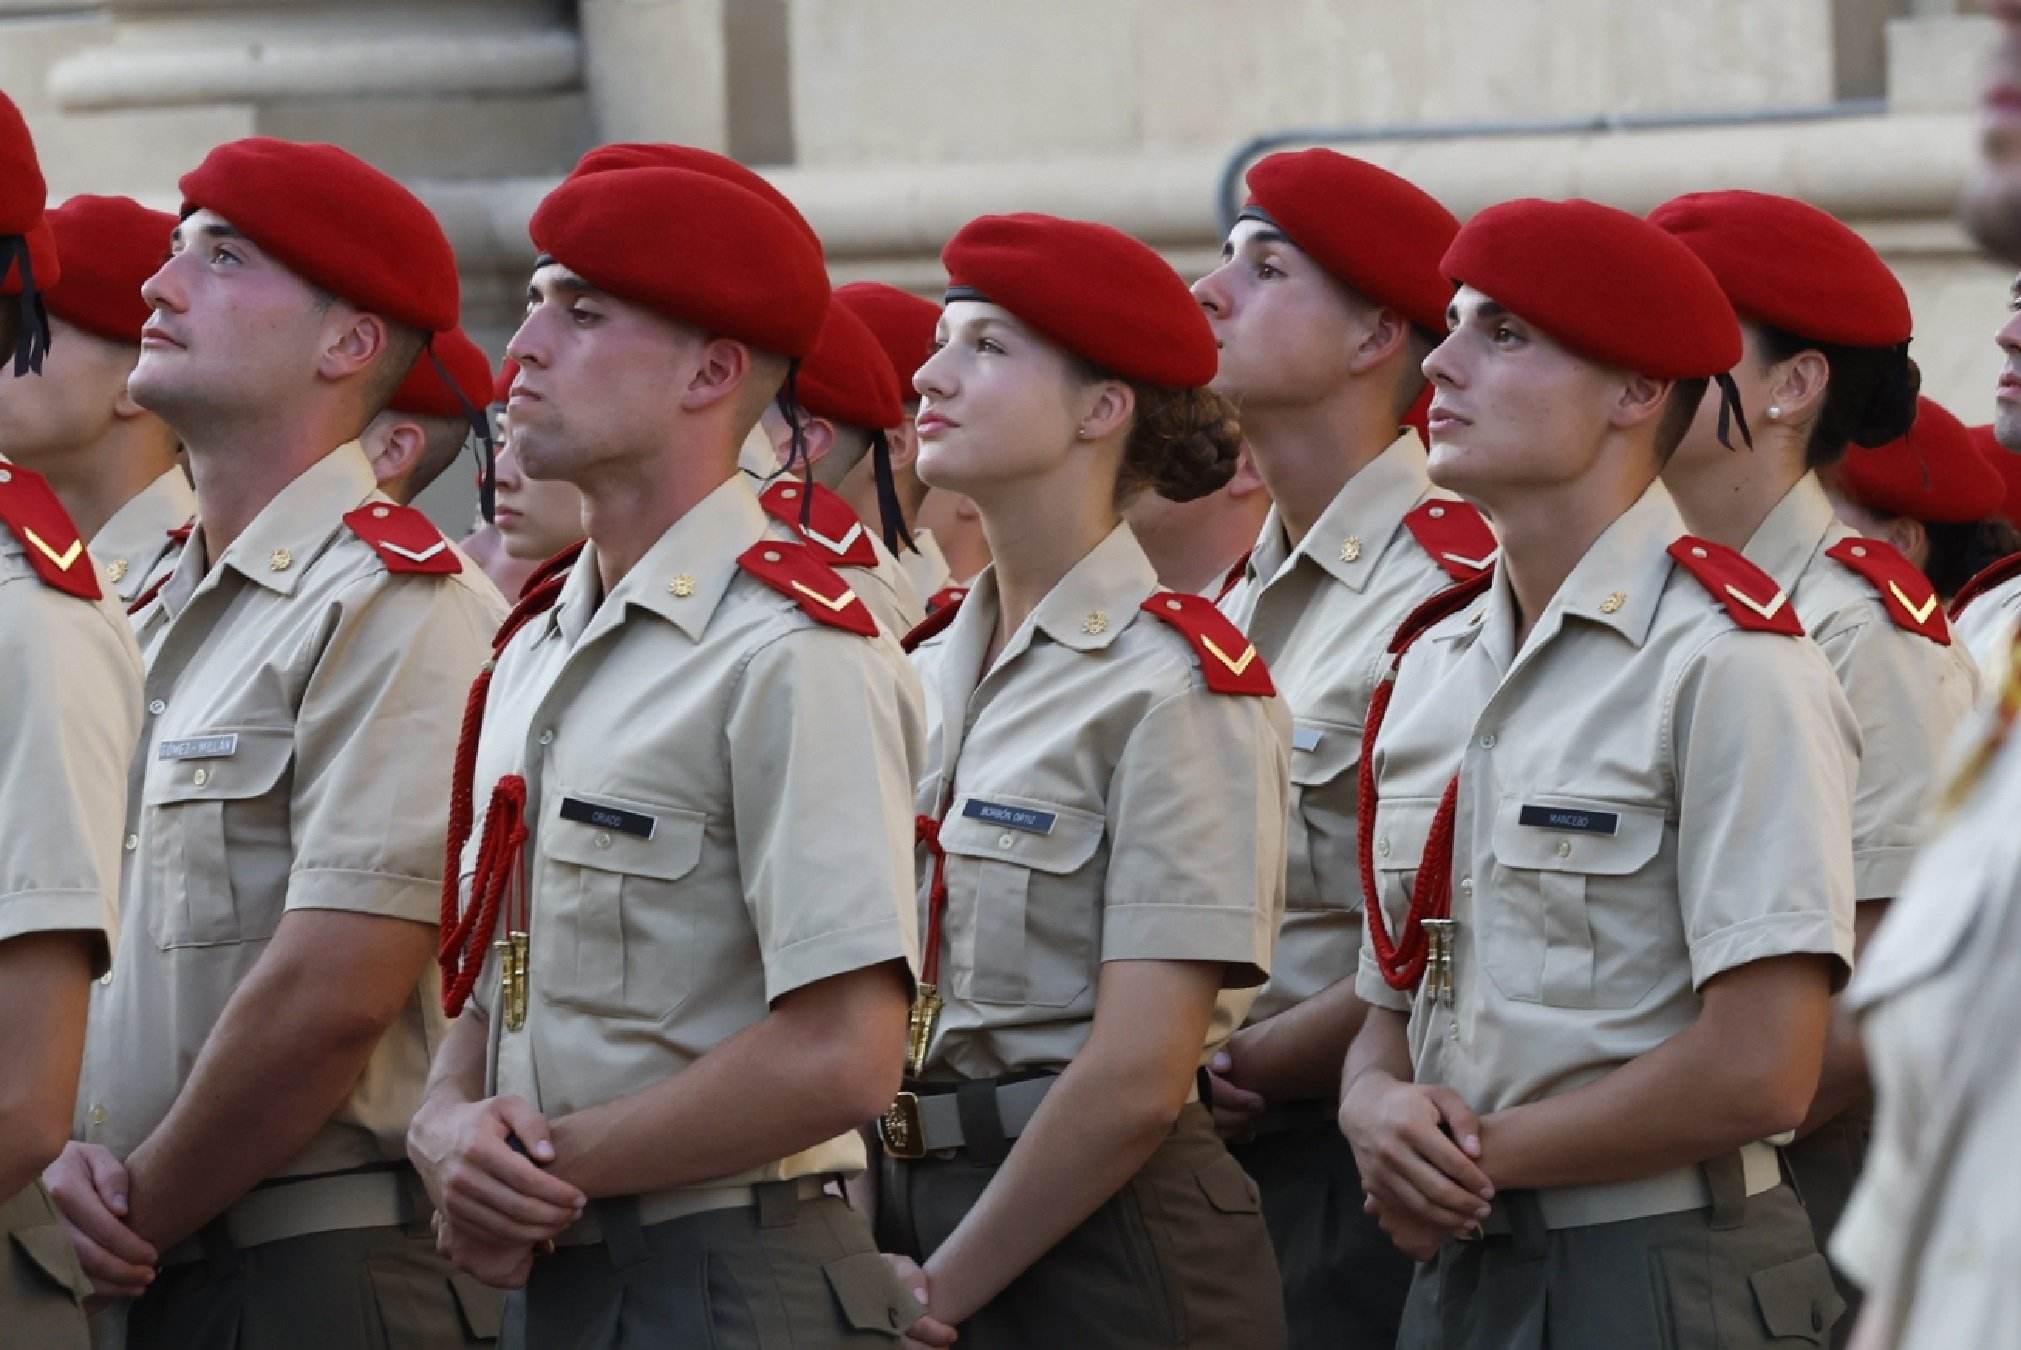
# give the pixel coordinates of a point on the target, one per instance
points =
(1197, 816)
(1764, 751)
(68, 726)
(375, 739)
(823, 730)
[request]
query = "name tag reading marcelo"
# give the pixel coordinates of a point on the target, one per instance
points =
(200, 747)
(1014, 817)
(1571, 818)
(607, 817)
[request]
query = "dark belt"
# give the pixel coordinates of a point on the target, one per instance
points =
(977, 1118)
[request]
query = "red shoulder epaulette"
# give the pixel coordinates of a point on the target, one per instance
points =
(556, 566)
(1228, 660)
(1984, 580)
(1456, 535)
(831, 526)
(29, 507)
(797, 574)
(1896, 579)
(940, 612)
(1750, 595)
(404, 538)
(1233, 576)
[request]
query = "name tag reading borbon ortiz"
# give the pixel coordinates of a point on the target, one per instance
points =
(607, 817)
(1012, 817)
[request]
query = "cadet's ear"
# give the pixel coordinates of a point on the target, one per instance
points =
(1640, 400)
(818, 435)
(903, 440)
(393, 444)
(1910, 538)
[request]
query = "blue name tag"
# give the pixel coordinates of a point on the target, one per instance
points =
(200, 747)
(1305, 738)
(606, 817)
(1570, 818)
(1013, 817)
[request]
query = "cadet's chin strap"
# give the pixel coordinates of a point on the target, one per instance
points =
(486, 446)
(788, 402)
(891, 518)
(33, 342)
(1730, 411)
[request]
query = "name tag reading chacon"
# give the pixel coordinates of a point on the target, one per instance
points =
(200, 747)
(1013, 817)
(1570, 818)
(633, 823)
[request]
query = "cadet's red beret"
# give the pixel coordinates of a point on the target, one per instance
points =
(501, 389)
(335, 221)
(902, 323)
(22, 197)
(656, 155)
(1608, 285)
(1934, 473)
(693, 246)
(847, 378)
(113, 245)
(2008, 465)
(1791, 266)
(1093, 290)
(423, 394)
(1381, 236)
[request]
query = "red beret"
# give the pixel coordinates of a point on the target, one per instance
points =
(1791, 266)
(423, 394)
(114, 244)
(1381, 236)
(694, 247)
(655, 155)
(2008, 465)
(1093, 290)
(22, 197)
(1934, 473)
(335, 221)
(1609, 285)
(501, 389)
(847, 378)
(902, 323)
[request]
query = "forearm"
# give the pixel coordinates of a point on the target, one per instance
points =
(1297, 1055)
(1381, 1046)
(45, 980)
(457, 1075)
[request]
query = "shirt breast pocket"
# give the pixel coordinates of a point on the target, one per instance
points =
(1568, 920)
(618, 935)
(218, 853)
(1402, 825)
(1321, 872)
(1034, 901)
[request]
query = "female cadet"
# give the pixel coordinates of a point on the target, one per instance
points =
(1825, 364)
(1103, 826)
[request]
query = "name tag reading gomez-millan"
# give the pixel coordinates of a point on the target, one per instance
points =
(1013, 817)
(200, 747)
(607, 817)
(1572, 818)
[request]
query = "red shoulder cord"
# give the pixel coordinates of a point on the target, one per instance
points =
(926, 830)
(466, 930)
(1402, 961)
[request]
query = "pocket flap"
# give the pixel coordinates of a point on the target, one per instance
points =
(48, 1249)
(219, 766)
(1043, 836)
(621, 834)
(1572, 834)
(1322, 751)
(1402, 825)
(1798, 1299)
(871, 1295)
(1228, 1188)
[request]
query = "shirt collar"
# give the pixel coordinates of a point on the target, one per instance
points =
(1359, 525)
(299, 522)
(1097, 598)
(682, 577)
(1790, 537)
(138, 530)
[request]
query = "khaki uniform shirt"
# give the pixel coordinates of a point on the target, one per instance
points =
(1931, 1230)
(69, 718)
(1987, 620)
(1097, 803)
(1322, 615)
(302, 711)
(133, 549)
(1908, 693)
(1649, 795)
(927, 569)
(757, 765)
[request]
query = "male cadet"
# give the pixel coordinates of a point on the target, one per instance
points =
(115, 466)
(252, 1065)
(1203, 546)
(1326, 302)
(689, 891)
(423, 428)
(68, 722)
(845, 395)
(1936, 1215)
(1988, 607)
(1600, 955)
(903, 324)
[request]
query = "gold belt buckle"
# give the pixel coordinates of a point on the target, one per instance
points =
(899, 1127)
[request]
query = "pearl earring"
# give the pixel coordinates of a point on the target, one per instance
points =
(1775, 412)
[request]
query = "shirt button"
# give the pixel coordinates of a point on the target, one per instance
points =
(547, 736)
(1488, 741)
(1382, 846)
(1466, 885)
(602, 840)
(200, 777)
(132, 842)
(105, 980)
(1564, 848)
(98, 1115)
(1005, 840)
(157, 707)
